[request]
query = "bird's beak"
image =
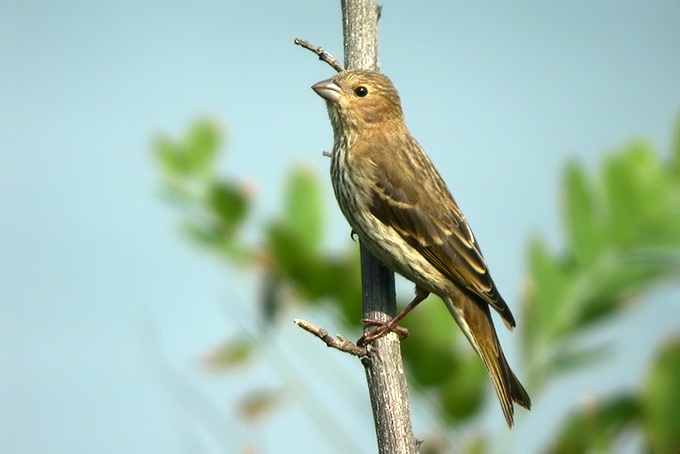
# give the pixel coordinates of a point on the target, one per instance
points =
(328, 90)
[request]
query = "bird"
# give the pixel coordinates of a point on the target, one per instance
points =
(396, 201)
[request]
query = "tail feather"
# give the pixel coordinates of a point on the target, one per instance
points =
(517, 391)
(475, 320)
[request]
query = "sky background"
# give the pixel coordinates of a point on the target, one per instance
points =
(106, 310)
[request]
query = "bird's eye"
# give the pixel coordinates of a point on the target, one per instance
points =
(361, 91)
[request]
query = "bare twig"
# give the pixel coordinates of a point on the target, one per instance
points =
(323, 55)
(341, 343)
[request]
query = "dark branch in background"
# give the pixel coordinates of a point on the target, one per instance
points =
(323, 55)
(341, 343)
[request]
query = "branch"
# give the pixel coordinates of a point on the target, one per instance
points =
(341, 343)
(384, 366)
(323, 55)
(387, 385)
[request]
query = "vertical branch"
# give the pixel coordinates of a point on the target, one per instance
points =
(384, 367)
(360, 33)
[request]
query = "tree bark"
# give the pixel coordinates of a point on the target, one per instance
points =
(384, 367)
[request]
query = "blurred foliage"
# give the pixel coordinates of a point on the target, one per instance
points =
(213, 210)
(598, 426)
(230, 355)
(623, 232)
(623, 236)
(260, 402)
(660, 400)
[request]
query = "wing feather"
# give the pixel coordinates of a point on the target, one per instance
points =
(438, 230)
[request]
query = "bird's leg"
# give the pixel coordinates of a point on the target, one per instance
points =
(391, 325)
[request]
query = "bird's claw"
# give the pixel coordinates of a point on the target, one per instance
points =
(382, 329)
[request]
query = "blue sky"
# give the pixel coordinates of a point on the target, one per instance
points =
(97, 286)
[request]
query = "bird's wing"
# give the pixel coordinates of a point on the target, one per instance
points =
(438, 230)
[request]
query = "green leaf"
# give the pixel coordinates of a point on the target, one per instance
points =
(295, 260)
(433, 330)
(463, 393)
(547, 289)
(192, 156)
(661, 415)
(169, 155)
(610, 287)
(675, 150)
(636, 187)
(215, 237)
(235, 352)
(202, 145)
(229, 203)
(582, 215)
(597, 427)
(303, 206)
(341, 276)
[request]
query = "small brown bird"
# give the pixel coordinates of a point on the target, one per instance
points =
(398, 204)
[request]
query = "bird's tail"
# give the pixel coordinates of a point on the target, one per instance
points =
(475, 321)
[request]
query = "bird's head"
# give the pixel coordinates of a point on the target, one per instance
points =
(360, 99)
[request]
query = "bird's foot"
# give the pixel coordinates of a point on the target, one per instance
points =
(382, 329)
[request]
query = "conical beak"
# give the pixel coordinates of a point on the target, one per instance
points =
(328, 90)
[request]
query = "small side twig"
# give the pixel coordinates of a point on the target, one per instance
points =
(323, 55)
(341, 343)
